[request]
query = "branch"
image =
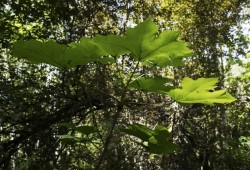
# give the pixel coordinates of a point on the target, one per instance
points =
(109, 136)
(119, 109)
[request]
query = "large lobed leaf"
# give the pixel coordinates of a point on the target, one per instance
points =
(142, 42)
(198, 91)
(59, 55)
(145, 45)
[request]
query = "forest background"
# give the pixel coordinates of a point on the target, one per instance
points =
(35, 99)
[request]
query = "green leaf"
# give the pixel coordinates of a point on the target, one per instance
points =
(154, 141)
(161, 131)
(36, 52)
(161, 50)
(197, 91)
(166, 50)
(156, 84)
(137, 39)
(142, 42)
(111, 44)
(138, 130)
(106, 60)
(59, 55)
(161, 147)
(86, 130)
(171, 54)
(159, 143)
(84, 52)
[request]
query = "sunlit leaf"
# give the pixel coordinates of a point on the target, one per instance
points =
(145, 45)
(198, 91)
(136, 39)
(84, 52)
(142, 42)
(36, 52)
(111, 44)
(106, 60)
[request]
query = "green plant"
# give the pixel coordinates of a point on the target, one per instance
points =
(144, 46)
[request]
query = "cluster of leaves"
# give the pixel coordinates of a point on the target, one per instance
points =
(143, 44)
(154, 141)
(31, 104)
(198, 129)
(147, 47)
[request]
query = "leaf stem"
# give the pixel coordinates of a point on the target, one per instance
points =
(109, 136)
(120, 106)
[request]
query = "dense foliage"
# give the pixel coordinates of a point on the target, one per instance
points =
(76, 115)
